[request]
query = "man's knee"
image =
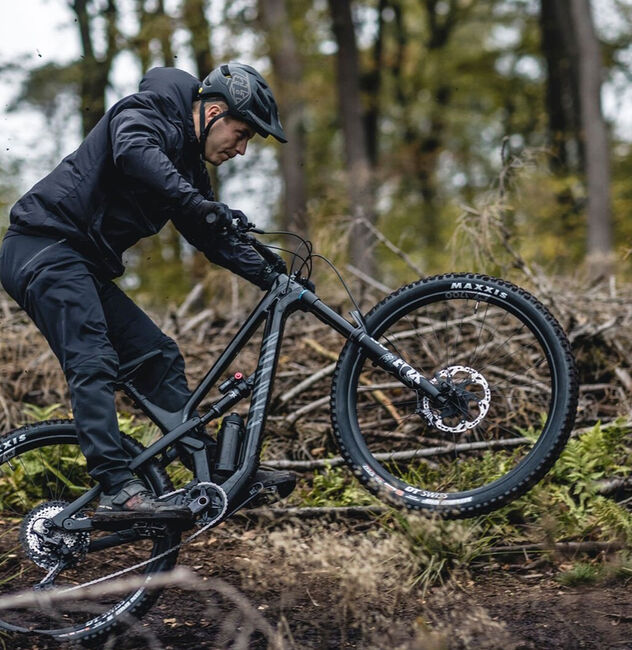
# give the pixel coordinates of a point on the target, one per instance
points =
(82, 373)
(170, 351)
(162, 380)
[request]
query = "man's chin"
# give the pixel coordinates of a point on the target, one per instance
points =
(214, 161)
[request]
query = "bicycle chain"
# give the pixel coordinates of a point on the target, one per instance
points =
(177, 547)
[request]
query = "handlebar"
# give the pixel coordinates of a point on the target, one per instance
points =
(243, 231)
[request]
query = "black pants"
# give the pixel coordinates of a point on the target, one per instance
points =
(91, 326)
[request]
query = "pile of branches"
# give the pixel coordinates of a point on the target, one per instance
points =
(598, 322)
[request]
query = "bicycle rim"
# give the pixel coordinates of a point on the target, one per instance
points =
(43, 470)
(508, 367)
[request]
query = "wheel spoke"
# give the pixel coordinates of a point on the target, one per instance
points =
(48, 471)
(495, 373)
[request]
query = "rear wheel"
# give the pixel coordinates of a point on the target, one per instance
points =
(42, 469)
(508, 370)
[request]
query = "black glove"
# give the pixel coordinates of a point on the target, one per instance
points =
(277, 263)
(220, 217)
(217, 215)
(273, 268)
(240, 219)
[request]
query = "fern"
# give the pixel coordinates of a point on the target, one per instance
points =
(35, 413)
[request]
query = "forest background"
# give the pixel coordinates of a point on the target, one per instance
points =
(400, 114)
(425, 136)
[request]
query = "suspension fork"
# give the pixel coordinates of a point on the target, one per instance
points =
(373, 349)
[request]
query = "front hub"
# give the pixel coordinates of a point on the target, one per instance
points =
(467, 400)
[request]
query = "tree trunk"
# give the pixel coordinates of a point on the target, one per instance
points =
(154, 24)
(559, 47)
(288, 75)
(359, 175)
(143, 38)
(371, 84)
(164, 27)
(443, 18)
(595, 136)
(94, 72)
(194, 17)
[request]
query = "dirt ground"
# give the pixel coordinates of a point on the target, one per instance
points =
(502, 611)
(265, 588)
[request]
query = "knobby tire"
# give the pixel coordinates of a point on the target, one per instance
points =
(496, 343)
(42, 463)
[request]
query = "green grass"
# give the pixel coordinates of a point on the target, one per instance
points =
(564, 506)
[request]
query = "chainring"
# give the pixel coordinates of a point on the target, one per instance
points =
(468, 402)
(41, 539)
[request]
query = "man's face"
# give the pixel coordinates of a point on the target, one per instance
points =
(227, 137)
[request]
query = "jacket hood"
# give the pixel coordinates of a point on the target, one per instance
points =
(176, 87)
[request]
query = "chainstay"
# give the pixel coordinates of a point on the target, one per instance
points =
(177, 547)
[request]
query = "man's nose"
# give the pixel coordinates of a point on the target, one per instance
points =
(241, 148)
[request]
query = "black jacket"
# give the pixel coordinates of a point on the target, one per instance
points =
(139, 167)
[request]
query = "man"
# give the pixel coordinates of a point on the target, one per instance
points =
(140, 166)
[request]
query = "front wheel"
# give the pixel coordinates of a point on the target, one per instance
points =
(42, 469)
(507, 367)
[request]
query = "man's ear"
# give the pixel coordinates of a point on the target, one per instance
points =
(211, 110)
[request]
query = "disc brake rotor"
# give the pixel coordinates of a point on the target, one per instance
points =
(468, 400)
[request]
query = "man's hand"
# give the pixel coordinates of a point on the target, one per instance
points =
(240, 219)
(274, 267)
(219, 216)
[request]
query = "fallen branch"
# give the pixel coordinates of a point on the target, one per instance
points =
(315, 345)
(378, 395)
(312, 406)
(312, 512)
(206, 314)
(618, 422)
(367, 279)
(306, 383)
(606, 487)
(335, 461)
(559, 547)
(391, 246)
(590, 330)
(180, 577)
(190, 298)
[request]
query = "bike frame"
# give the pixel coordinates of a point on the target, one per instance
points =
(284, 297)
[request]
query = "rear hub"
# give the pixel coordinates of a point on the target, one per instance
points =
(46, 544)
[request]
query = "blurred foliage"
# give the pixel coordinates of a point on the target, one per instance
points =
(453, 80)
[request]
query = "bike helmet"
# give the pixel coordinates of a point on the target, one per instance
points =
(248, 98)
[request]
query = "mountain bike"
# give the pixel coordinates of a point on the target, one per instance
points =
(454, 394)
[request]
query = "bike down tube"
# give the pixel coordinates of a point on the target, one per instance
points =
(262, 389)
(374, 350)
